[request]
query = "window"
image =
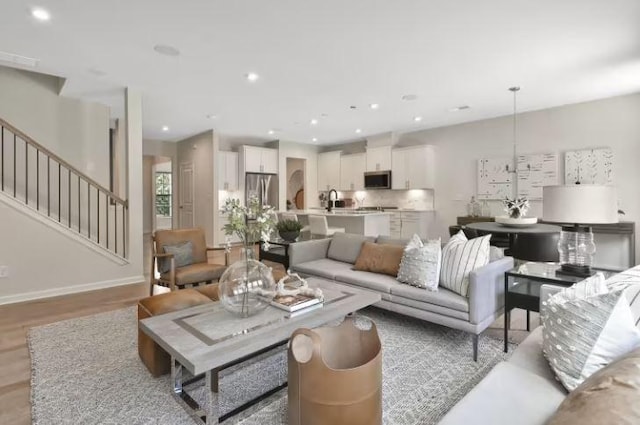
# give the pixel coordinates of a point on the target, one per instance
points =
(163, 194)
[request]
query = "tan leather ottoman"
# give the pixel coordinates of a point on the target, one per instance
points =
(152, 355)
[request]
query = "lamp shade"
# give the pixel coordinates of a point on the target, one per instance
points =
(580, 204)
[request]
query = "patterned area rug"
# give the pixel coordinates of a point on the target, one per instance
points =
(87, 370)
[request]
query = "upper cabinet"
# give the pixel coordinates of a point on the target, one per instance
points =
(379, 158)
(329, 170)
(227, 171)
(260, 160)
(352, 169)
(413, 168)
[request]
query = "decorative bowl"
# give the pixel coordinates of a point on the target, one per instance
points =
(516, 222)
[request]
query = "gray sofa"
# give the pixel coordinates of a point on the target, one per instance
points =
(334, 259)
(522, 390)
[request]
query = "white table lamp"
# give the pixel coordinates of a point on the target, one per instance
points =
(576, 208)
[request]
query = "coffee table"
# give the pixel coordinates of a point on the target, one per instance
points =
(206, 339)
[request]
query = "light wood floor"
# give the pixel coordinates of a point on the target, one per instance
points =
(16, 319)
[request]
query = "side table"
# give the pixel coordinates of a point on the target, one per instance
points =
(522, 288)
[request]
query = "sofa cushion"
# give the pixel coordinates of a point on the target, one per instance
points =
(388, 240)
(443, 297)
(379, 258)
(375, 281)
(432, 308)
(324, 267)
(346, 247)
(609, 396)
(507, 395)
(528, 355)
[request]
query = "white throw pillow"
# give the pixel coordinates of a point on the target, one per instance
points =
(460, 257)
(420, 264)
(586, 327)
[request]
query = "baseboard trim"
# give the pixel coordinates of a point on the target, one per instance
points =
(56, 292)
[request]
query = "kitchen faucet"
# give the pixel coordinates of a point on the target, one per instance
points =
(331, 202)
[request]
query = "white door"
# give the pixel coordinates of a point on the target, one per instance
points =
(186, 196)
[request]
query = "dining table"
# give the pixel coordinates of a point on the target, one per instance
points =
(511, 231)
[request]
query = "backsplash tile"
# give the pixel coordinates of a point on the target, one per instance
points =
(417, 199)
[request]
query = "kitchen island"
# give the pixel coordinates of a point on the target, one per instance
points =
(368, 223)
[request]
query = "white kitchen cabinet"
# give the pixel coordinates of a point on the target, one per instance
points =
(220, 237)
(352, 169)
(329, 170)
(379, 158)
(404, 224)
(260, 160)
(413, 168)
(227, 171)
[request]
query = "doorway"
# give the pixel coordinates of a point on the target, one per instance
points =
(296, 177)
(163, 194)
(185, 213)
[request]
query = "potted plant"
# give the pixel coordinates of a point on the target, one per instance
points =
(289, 230)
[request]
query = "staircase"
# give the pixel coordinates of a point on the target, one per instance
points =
(41, 183)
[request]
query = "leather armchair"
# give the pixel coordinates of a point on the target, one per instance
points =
(200, 271)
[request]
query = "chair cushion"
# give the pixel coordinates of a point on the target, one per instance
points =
(175, 237)
(324, 267)
(609, 396)
(375, 281)
(182, 255)
(508, 395)
(346, 247)
(379, 258)
(172, 301)
(196, 273)
(443, 297)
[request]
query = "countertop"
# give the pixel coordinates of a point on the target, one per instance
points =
(337, 212)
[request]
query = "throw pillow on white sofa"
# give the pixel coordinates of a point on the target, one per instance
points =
(586, 327)
(420, 264)
(460, 257)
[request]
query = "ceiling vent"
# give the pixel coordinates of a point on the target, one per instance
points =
(18, 59)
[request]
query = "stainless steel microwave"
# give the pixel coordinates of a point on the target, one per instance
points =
(377, 180)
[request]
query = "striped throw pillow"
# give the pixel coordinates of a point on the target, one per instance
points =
(459, 258)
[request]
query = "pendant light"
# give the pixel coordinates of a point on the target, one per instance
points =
(514, 170)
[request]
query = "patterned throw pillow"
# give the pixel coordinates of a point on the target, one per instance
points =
(182, 254)
(420, 264)
(459, 258)
(586, 327)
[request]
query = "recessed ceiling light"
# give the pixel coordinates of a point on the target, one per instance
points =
(358, 130)
(409, 97)
(417, 119)
(271, 132)
(166, 50)
(353, 107)
(315, 139)
(374, 106)
(313, 121)
(165, 128)
(40, 14)
(212, 116)
(460, 108)
(252, 77)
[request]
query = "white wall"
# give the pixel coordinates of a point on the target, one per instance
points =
(46, 262)
(302, 151)
(613, 122)
(199, 150)
(75, 130)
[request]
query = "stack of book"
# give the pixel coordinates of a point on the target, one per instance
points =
(293, 303)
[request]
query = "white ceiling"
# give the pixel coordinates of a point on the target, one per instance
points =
(321, 56)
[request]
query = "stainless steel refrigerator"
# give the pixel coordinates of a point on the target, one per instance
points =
(264, 186)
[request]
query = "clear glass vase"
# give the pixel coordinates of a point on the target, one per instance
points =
(241, 284)
(576, 246)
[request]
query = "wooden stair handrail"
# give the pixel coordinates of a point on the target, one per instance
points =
(62, 162)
